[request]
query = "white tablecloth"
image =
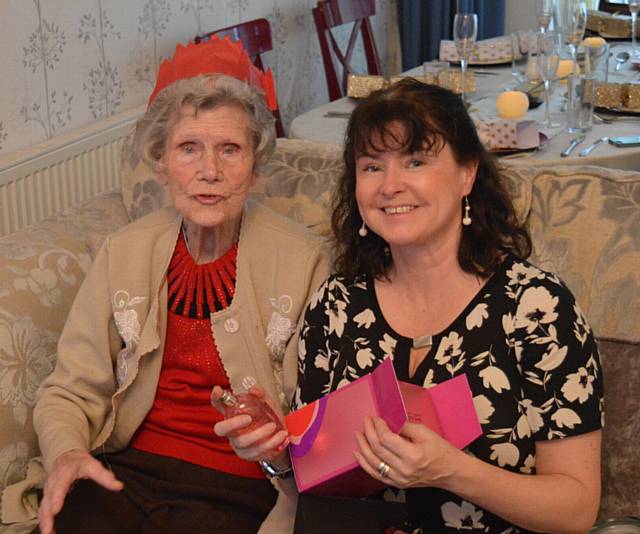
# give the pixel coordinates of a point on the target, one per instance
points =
(315, 125)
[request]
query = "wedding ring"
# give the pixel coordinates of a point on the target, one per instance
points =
(383, 469)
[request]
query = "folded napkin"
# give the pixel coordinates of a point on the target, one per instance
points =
(500, 134)
(494, 50)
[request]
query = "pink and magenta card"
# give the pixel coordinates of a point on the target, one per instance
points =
(323, 432)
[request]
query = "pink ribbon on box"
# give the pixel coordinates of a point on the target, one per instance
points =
(501, 133)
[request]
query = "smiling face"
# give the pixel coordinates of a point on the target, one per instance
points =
(412, 199)
(207, 165)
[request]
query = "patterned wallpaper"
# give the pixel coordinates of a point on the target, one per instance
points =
(67, 63)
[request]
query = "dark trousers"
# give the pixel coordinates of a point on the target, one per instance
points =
(341, 515)
(165, 495)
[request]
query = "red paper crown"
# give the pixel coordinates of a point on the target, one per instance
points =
(216, 56)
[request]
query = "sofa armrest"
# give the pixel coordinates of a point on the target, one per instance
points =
(41, 268)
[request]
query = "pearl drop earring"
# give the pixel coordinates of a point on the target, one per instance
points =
(362, 232)
(466, 220)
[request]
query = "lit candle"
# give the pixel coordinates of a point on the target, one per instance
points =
(594, 42)
(565, 66)
(512, 104)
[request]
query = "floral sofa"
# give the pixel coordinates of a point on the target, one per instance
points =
(585, 223)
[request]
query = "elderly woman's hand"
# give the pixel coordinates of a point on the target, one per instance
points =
(264, 443)
(67, 468)
(416, 456)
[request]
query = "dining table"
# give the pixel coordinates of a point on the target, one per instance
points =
(327, 123)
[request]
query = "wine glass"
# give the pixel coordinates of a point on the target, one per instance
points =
(544, 13)
(548, 58)
(634, 6)
(465, 31)
(571, 22)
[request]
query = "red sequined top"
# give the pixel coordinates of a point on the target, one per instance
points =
(180, 422)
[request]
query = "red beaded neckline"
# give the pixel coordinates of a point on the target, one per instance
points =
(198, 290)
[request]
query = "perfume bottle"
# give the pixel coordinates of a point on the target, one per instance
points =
(246, 403)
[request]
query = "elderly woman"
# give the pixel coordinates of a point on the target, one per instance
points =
(204, 293)
(431, 271)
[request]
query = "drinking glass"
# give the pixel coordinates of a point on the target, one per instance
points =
(571, 22)
(465, 31)
(581, 95)
(634, 6)
(596, 61)
(521, 52)
(544, 13)
(548, 58)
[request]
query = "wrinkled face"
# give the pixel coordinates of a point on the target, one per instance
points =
(412, 199)
(208, 165)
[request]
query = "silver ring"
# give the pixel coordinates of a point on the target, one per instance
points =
(383, 469)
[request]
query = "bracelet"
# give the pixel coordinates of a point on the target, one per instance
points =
(272, 472)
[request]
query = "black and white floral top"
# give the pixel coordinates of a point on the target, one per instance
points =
(524, 344)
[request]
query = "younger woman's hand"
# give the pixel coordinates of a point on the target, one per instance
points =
(263, 443)
(416, 456)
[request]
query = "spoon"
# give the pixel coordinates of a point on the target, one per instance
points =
(621, 58)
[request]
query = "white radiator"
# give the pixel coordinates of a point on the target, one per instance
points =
(42, 180)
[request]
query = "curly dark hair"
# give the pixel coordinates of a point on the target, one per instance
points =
(430, 117)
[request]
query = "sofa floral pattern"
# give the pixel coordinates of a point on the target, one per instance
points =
(585, 223)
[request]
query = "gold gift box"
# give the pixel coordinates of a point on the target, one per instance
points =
(618, 96)
(455, 81)
(609, 25)
(360, 86)
(608, 95)
(631, 96)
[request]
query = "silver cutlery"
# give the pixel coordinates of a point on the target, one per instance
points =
(586, 151)
(621, 58)
(574, 143)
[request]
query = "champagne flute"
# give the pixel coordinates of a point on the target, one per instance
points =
(548, 58)
(544, 13)
(571, 22)
(634, 6)
(465, 31)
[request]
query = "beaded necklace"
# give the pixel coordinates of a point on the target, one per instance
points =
(198, 290)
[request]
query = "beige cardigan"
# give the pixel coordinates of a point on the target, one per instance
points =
(110, 351)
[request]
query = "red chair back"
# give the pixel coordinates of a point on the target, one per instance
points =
(329, 14)
(255, 36)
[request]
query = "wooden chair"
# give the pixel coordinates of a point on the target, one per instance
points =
(329, 14)
(255, 36)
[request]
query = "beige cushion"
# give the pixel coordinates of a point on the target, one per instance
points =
(42, 279)
(518, 181)
(296, 182)
(41, 268)
(585, 226)
(141, 193)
